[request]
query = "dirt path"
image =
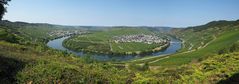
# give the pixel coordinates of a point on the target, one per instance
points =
(191, 46)
(149, 58)
(158, 59)
(214, 38)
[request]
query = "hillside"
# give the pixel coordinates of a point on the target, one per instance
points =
(199, 36)
(214, 38)
(206, 38)
(213, 59)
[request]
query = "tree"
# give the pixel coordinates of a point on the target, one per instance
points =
(2, 7)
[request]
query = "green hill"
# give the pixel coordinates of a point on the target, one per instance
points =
(227, 38)
(212, 59)
(198, 36)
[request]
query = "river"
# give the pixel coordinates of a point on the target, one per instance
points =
(175, 45)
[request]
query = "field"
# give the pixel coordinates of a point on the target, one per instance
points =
(101, 42)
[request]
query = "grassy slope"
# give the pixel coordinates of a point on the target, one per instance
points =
(26, 64)
(228, 38)
(211, 33)
(37, 64)
(198, 36)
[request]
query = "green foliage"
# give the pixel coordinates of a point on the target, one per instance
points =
(5, 35)
(229, 49)
(213, 69)
(33, 66)
(36, 63)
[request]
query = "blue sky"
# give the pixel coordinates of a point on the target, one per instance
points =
(174, 13)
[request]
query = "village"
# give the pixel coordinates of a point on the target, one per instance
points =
(62, 33)
(142, 38)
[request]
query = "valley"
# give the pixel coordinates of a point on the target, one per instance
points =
(209, 54)
(119, 42)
